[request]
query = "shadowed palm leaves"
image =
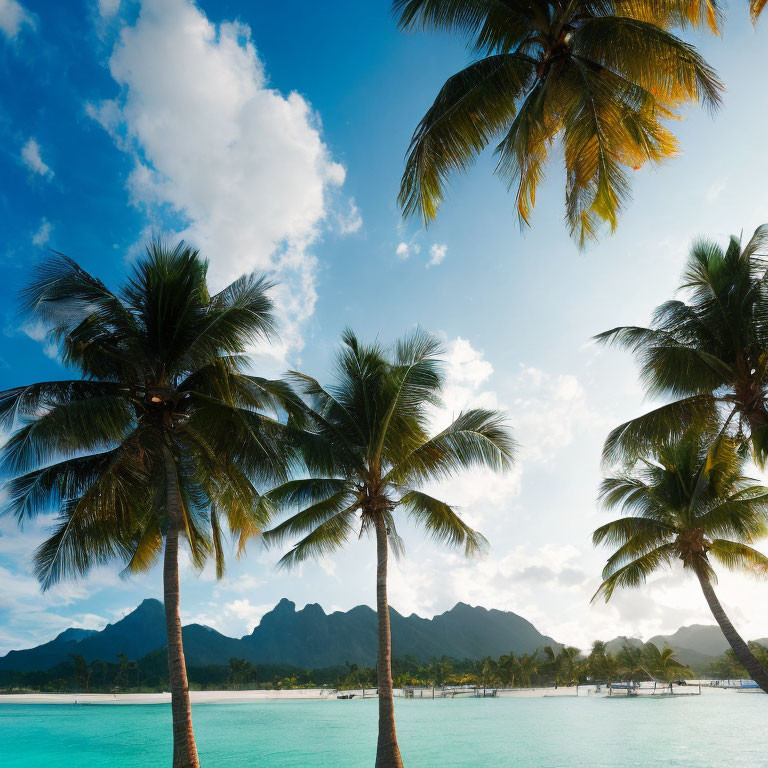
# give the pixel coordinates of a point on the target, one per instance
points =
(602, 77)
(662, 664)
(163, 437)
(709, 352)
(367, 450)
(687, 502)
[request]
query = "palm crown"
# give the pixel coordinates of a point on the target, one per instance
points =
(163, 423)
(708, 352)
(601, 76)
(365, 443)
(688, 502)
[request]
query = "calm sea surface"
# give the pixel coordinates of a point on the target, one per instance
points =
(701, 731)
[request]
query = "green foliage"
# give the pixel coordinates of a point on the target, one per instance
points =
(163, 389)
(365, 446)
(601, 78)
(705, 350)
(689, 501)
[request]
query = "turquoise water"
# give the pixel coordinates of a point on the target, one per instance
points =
(703, 731)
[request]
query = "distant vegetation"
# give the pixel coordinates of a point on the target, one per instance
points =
(548, 667)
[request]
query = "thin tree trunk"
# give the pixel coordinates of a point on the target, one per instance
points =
(387, 750)
(755, 669)
(184, 748)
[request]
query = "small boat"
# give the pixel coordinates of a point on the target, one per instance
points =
(345, 696)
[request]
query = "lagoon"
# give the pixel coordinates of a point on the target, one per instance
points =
(708, 731)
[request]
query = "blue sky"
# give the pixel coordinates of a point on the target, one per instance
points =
(273, 138)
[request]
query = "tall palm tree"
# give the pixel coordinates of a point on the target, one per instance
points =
(708, 351)
(160, 438)
(602, 78)
(687, 502)
(367, 450)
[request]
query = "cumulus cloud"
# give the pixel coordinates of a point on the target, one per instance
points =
(404, 250)
(43, 234)
(479, 492)
(243, 165)
(437, 254)
(14, 16)
(547, 409)
(31, 157)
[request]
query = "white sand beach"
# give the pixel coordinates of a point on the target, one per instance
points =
(215, 697)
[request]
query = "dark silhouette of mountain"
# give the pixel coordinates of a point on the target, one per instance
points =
(707, 639)
(695, 646)
(308, 638)
(615, 645)
(135, 635)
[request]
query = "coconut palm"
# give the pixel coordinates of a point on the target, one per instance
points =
(663, 664)
(687, 502)
(528, 667)
(601, 78)
(367, 451)
(160, 439)
(756, 8)
(708, 351)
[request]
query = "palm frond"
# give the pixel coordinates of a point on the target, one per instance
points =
(735, 555)
(472, 108)
(442, 522)
(324, 539)
(635, 573)
(642, 434)
(476, 438)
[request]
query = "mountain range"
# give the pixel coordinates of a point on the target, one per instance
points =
(695, 646)
(312, 639)
(308, 638)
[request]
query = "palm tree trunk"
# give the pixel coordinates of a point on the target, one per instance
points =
(387, 750)
(755, 669)
(184, 748)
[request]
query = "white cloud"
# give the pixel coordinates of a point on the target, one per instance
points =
(547, 409)
(38, 332)
(43, 233)
(30, 154)
(437, 254)
(350, 221)
(404, 250)
(108, 8)
(476, 493)
(14, 16)
(244, 165)
(715, 190)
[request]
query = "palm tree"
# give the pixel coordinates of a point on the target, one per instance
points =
(689, 501)
(160, 438)
(600, 77)
(663, 664)
(756, 8)
(367, 451)
(708, 352)
(629, 661)
(528, 666)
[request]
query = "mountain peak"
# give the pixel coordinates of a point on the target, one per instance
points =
(73, 634)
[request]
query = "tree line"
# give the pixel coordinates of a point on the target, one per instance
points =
(547, 667)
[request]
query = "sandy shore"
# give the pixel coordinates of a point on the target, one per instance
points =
(310, 694)
(198, 697)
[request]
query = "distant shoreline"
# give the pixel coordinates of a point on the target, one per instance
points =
(307, 694)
